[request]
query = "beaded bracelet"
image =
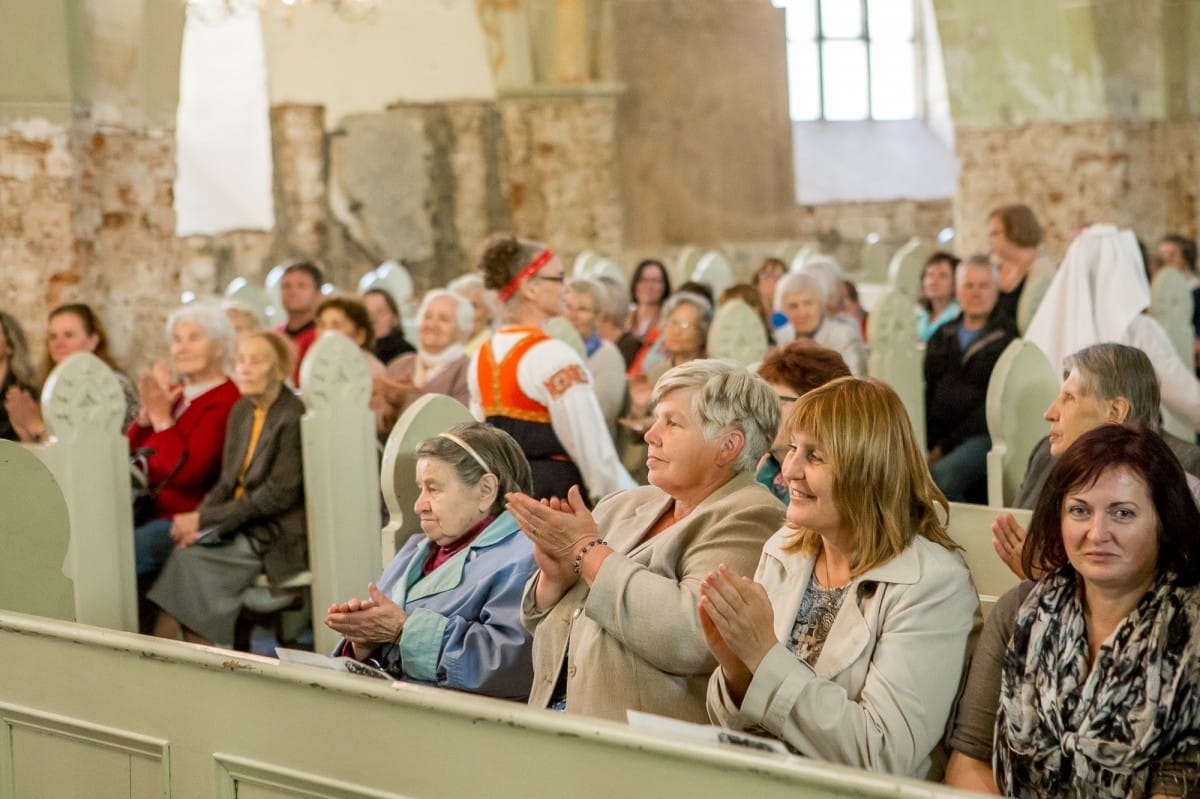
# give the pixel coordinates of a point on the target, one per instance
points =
(586, 548)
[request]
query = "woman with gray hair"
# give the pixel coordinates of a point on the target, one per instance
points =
(180, 429)
(446, 610)
(613, 606)
(802, 297)
(439, 366)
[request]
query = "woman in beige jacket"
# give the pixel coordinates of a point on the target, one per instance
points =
(850, 645)
(613, 606)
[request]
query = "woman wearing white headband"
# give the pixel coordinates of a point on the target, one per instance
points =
(446, 611)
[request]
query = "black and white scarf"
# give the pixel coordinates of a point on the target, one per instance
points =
(1067, 728)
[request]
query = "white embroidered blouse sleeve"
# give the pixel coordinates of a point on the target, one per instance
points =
(553, 374)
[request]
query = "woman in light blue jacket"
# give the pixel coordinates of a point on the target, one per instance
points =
(446, 611)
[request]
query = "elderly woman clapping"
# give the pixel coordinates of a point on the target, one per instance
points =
(439, 366)
(253, 520)
(849, 644)
(181, 425)
(446, 611)
(613, 605)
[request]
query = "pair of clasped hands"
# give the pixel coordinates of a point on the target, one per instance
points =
(736, 617)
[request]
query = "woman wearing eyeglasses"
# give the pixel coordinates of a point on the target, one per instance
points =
(537, 388)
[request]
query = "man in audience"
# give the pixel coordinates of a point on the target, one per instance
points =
(300, 294)
(583, 307)
(1102, 384)
(958, 364)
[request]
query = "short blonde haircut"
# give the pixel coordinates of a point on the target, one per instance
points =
(881, 483)
(728, 396)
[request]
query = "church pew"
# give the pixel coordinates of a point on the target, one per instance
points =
(1022, 386)
(894, 355)
(341, 478)
(121, 715)
(83, 407)
(971, 527)
(1171, 306)
(34, 533)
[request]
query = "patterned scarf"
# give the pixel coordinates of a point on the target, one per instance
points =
(1065, 728)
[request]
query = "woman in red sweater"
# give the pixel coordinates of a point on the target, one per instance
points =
(181, 425)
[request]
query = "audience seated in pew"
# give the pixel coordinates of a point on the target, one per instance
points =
(537, 388)
(446, 611)
(387, 324)
(241, 316)
(747, 294)
(182, 424)
(300, 294)
(849, 643)
(16, 372)
(959, 359)
(610, 322)
(349, 317)
(1014, 236)
(937, 302)
(792, 371)
(585, 301)
(253, 519)
(1099, 294)
(71, 328)
(613, 605)
(1102, 384)
(483, 302)
(649, 288)
(439, 366)
(803, 296)
(765, 279)
(1087, 679)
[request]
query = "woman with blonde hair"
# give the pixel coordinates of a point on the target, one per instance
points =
(849, 643)
(16, 371)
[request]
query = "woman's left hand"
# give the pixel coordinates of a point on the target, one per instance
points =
(185, 527)
(24, 413)
(559, 528)
(368, 623)
(741, 612)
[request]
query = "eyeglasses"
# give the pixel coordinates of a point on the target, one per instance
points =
(678, 324)
(551, 278)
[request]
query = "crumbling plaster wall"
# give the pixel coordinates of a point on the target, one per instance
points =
(87, 164)
(1086, 111)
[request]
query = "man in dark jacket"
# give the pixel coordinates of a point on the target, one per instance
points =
(958, 364)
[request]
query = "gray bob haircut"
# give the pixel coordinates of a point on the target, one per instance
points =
(728, 396)
(1107, 371)
(801, 283)
(697, 301)
(464, 312)
(616, 306)
(494, 447)
(211, 317)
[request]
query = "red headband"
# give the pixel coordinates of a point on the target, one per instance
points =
(534, 267)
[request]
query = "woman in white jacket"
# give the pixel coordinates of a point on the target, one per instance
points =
(849, 643)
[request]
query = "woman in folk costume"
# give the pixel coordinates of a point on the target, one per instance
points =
(1097, 296)
(537, 388)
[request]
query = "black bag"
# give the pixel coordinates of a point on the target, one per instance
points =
(145, 496)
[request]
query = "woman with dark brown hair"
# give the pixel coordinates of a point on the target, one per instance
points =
(534, 387)
(1015, 237)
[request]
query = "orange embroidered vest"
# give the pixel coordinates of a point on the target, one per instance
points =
(499, 390)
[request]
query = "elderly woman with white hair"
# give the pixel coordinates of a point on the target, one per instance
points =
(180, 428)
(803, 297)
(439, 366)
(613, 605)
(483, 303)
